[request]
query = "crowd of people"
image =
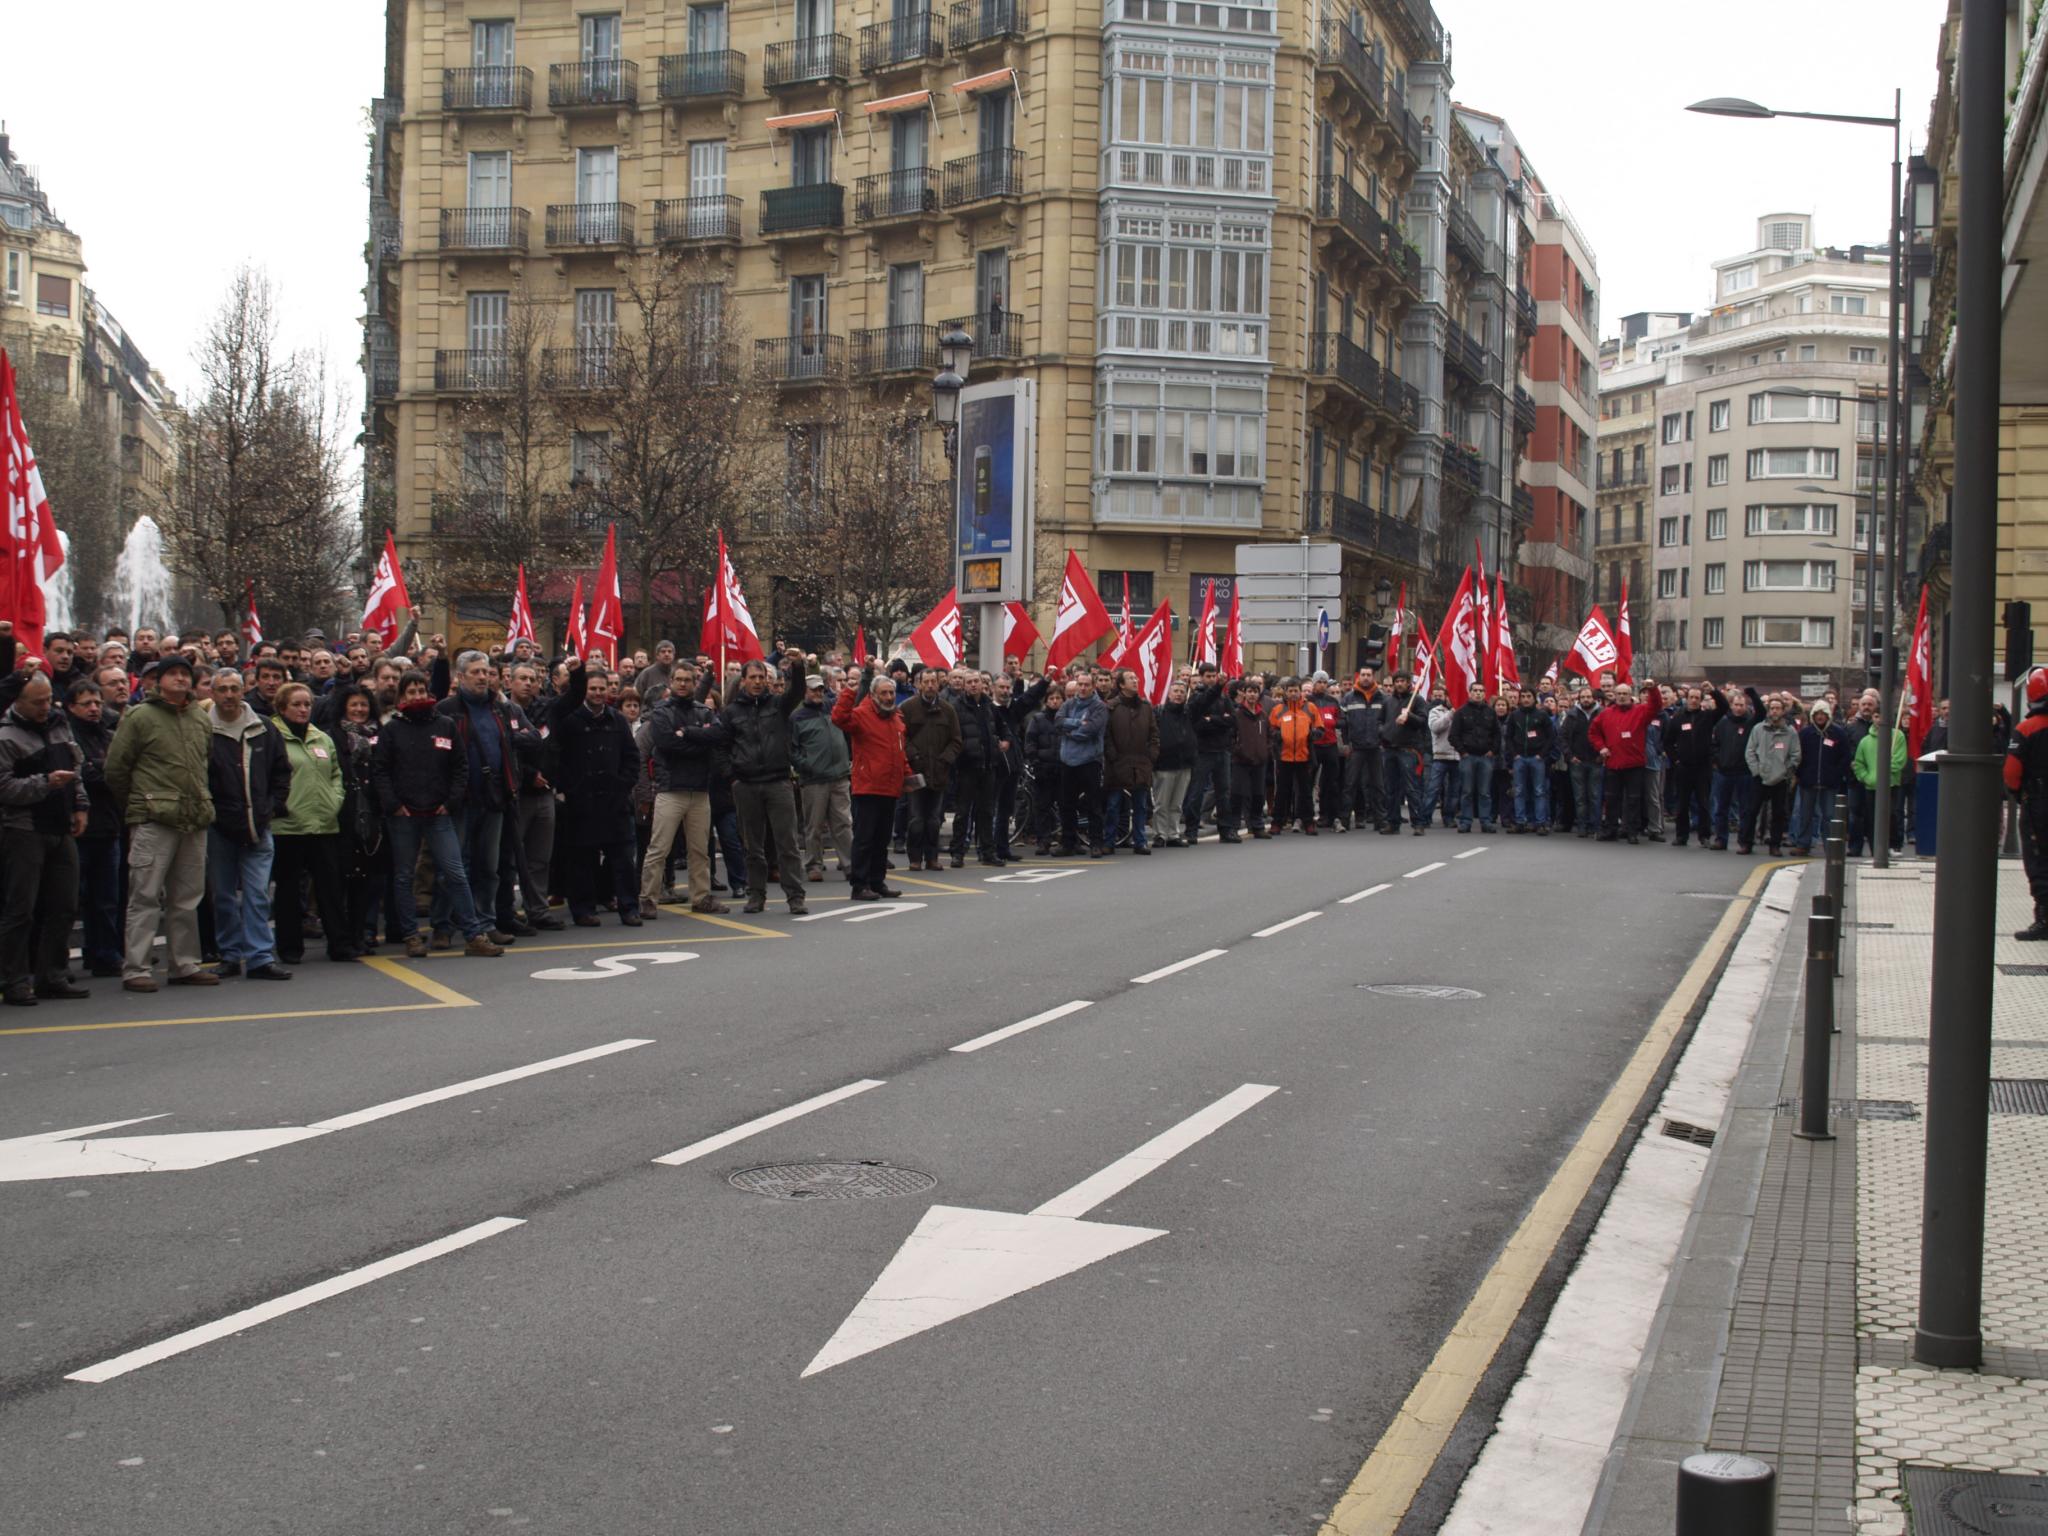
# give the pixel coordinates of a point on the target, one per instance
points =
(204, 814)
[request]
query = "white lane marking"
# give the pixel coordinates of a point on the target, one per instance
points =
(1371, 890)
(960, 1260)
(1169, 1143)
(615, 965)
(711, 1144)
(1413, 873)
(475, 1084)
(867, 912)
(1472, 853)
(1180, 965)
(1018, 1028)
(1028, 876)
(1292, 922)
(263, 1312)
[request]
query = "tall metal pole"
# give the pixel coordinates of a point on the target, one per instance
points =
(1950, 1328)
(1887, 703)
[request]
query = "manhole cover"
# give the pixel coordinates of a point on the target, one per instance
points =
(832, 1181)
(1949, 1503)
(1434, 993)
(1860, 1109)
(2019, 1095)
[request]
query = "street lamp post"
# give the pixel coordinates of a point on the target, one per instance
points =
(1735, 106)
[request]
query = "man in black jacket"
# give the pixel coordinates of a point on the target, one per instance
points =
(593, 761)
(983, 736)
(1531, 746)
(1042, 758)
(100, 897)
(757, 730)
(1176, 762)
(1209, 709)
(1364, 722)
(488, 746)
(1014, 706)
(1582, 758)
(1404, 749)
(1689, 749)
(687, 740)
(249, 777)
(420, 780)
(43, 808)
(1734, 786)
(1475, 737)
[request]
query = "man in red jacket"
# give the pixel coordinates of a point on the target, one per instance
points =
(1620, 733)
(874, 730)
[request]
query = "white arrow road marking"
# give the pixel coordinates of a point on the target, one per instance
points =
(959, 1260)
(1371, 890)
(1028, 876)
(56, 1155)
(263, 1312)
(615, 965)
(711, 1144)
(866, 912)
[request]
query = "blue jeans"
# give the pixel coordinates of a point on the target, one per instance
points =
(1475, 789)
(1812, 810)
(1403, 787)
(1441, 792)
(1532, 792)
(1132, 807)
(406, 833)
(483, 835)
(239, 874)
(1730, 803)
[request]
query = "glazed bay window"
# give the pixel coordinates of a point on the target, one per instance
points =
(1794, 463)
(1180, 452)
(1812, 634)
(1788, 575)
(1811, 518)
(1793, 405)
(1181, 282)
(1199, 120)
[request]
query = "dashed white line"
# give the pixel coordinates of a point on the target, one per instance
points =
(1472, 853)
(1414, 873)
(710, 1144)
(1371, 890)
(1021, 1025)
(1179, 965)
(263, 1312)
(1292, 922)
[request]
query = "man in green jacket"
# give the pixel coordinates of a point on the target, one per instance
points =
(1864, 766)
(156, 768)
(824, 775)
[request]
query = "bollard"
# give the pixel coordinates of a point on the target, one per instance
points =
(1723, 1494)
(1820, 1022)
(1823, 906)
(1834, 880)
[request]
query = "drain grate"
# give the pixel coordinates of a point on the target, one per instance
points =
(1436, 994)
(1860, 924)
(2019, 1095)
(2016, 968)
(1685, 1130)
(1947, 1503)
(1860, 1109)
(831, 1181)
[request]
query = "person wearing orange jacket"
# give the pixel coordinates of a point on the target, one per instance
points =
(1294, 722)
(874, 731)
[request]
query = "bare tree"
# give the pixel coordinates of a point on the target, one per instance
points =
(80, 463)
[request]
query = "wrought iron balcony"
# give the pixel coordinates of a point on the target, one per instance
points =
(594, 84)
(708, 220)
(1364, 227)
(703, 75)
(473, 372)
(484, 229)
(577, 369)
(1525, 410)
(1342, 53)
(973, 24)
(1525, 311)
(591, 225)
(1399, 540)
(1464, 353)
(994, 173)
(488, 88)
(1357, 370)
(796, 210)
(896, 349)
(827, 56)
(800, 359)
(1407, 129)
(1402, 399)
(1524, 505)
(998, 334)
(383, 372)
(896, 195)
(1464, 467)
(1462, 233)
(899, 42)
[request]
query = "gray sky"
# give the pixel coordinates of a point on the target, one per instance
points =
(187, 139)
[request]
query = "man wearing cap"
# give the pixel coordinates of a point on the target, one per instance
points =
(157, 770)
(824, 775)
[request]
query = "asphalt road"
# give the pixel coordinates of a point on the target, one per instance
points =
(1222, 1329)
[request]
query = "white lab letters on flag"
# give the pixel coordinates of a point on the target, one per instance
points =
(1152, 655)
(937, 639)
(1593, 652)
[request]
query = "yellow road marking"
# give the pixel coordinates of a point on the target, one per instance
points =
(384, 965)
(1387, 1484)
(236, 1018)
(641, 943)
(754, 930)
(935, 885)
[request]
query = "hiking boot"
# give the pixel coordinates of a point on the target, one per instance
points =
(798, 907)
(709, 906)
(2038, 934)
(482, 947)
(443, 939)
(415, 948)
(649, 908)
(756, 904)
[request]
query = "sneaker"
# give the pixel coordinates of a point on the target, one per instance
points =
(482, 948)
(415, 948)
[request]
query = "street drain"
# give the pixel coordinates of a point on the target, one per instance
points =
(1685, 1130)
(1860, 924)
(1948, 1503)
(2016, 968)
(2019, 1095)
(1860, 1109)
(1435, 994)
(831, 1181)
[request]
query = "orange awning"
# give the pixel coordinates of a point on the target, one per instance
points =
(903, 103)
(988, 82)
(803, 119)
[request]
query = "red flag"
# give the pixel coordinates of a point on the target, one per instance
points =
(28, 530)
(387, 594)
(607, 612)
(1919, 683)
(937, 638)
(1205, 632)
(1118, 653)
(730, 622)
(1152, 655)
(252, 622)
(1399, 632)
(860, 646)
(1550, 672)
(521, 625)
(1232, 663)
(1458, 645)
(1594, 651)
(1425, 663)
(576, 637)
(1081, 620)
(1019, 633)
(1488, 640)
(1505, 670)
(1624, 648)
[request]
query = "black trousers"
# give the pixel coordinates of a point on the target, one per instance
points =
(1363, 771)
(1689, 786)
(1210, 775)
(1294, 793)
(1624, 801)
(1247, 804)
(1775, 799)
(1401, 775)
(873, 816)
(1329, 763)
(295, 859)
(974, 801)
(38, 899)
(927, 811)
(767, 814)
(1081, 797)
(580, 874)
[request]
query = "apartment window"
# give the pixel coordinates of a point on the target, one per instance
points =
(1717, 522)
(1110, 586)
(601, 38)
(1713, 633)
(1688, 426)
(1794, 463)
(1788, 575)
(1666, 634)
(490, 178)
(1863, 354)
(590, 456)
(1847, 304)
(1808, 518)
(1717, 469)
(1667, 533)
(1870, 418)
(488, 317)
(1674, 424)
(1793, 405)
(806, 447)
(1717, 416)
(1714, 579)
(1687, 470)
(1681, 634)
(1636, 462)
(1639, 523)
(483, 471)
(1738, 279)
(597, 319)
(1762, 630)
(1808, 352)
(16, 266)
(53, 295)
(1667, 483)
(1667, 582)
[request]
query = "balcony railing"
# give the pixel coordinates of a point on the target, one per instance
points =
(1363, 224)
(1402, 399)
(975, 24)
(1525, 410)
(896, 349)
(1464, 466)
(594, 83)
(1464, 352)
(800, 359)
(994, 173)
(1462, 231)
(1407, 129)
(793, 210)
(804, 60)
(1525, 311)
(383, 371)
(577, 369)
(484, 229)
(591, 224)
(1340, 50)
(489, 88)
(473, 371)
(1524, 505)
(997, 334)
(697, 220)
(1344, 360)
(899, 42)
(710, 73)
(896, 195)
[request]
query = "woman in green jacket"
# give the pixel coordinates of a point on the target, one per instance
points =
(307, 838)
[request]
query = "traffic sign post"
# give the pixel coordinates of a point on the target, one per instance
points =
(1287, 593)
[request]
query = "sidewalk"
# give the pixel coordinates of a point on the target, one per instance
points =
(1788, 1291)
